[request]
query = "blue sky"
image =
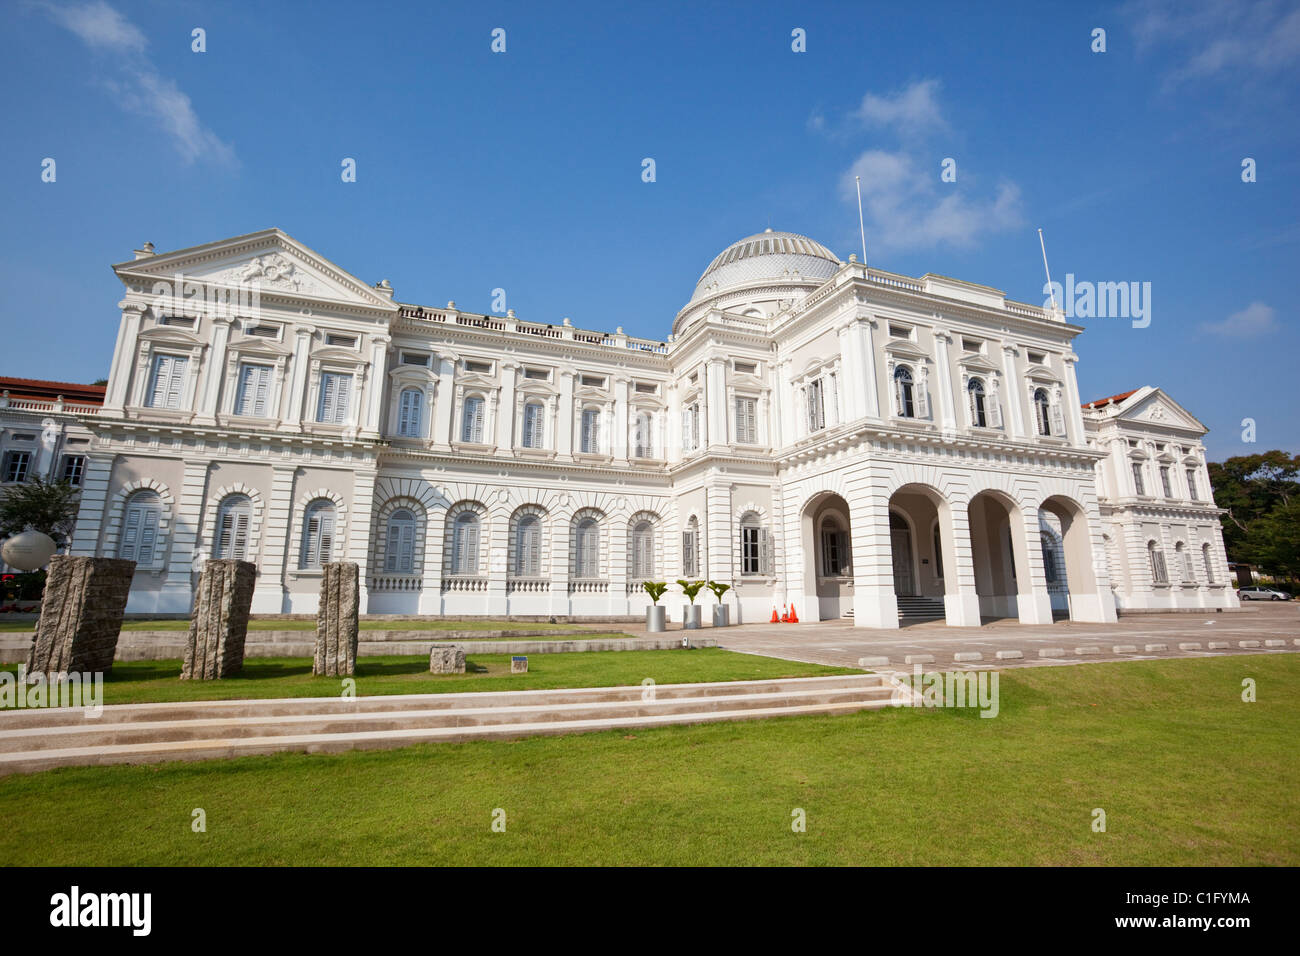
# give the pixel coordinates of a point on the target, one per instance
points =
(522, 170)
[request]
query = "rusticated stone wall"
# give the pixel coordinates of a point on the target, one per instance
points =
(81, 614)
(336, 620)
(219, 626)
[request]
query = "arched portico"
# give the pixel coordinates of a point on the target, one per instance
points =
(929, 559)
(826, 535)
(1008, 575)
(1087, 596)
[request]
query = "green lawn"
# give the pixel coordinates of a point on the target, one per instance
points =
(413, 624)
(136, 682)
(1187, 773)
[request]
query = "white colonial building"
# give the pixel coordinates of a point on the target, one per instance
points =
(849, 441)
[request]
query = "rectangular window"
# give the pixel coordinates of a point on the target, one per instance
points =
(263, 331)
(472, 423)
(341, 341)
(415, 358)
(750, 556)
(180, 321)
(74, 466)
(1165, 484)
(747, 368)
(335, 398)
(747, 421)
(1037, 358)
(478, 368)
(168, 382)
(534, 426)
(590, 431)
(816, 407)
(254, 393)
(1138, 485)
(971, 345)
(690, 563)
(537, 374)
(900, 332)
(16, 465)
(593, 381)
(1191, 485)
(647, 388)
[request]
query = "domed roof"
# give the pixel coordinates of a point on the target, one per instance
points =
(767, 257)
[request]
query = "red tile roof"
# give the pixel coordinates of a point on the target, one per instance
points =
(1113, 398)
(48, 391)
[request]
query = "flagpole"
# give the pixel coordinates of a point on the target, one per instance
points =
(861, 228)
(1050, 288)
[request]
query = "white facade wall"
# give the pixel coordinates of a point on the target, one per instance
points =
(770, 423)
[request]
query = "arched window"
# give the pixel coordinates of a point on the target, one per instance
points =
(1157, 558)
(140, 517)
(978, 412)
(1048, 545)
(534, 426)
(234, 515)
(835, 548)
(317, 534)
(691, 548)
(528, 547)
(904, 395)
(410, 407)
(399, 558)
(471, 426)
(464, 544)
(1208, 561)
(641, 560)
(755, 545)
(590, 431)
(644, 435)
(1043, 411)
(586, 549)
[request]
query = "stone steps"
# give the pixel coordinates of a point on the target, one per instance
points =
(917, 610)
(144, 733)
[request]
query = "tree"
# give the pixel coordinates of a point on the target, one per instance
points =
(46, 506)
(1250, 488)
(1273, 541)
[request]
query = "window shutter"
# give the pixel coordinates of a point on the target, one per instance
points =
(471, 547)
(326, 551)
(764, 551)
(328, 398)
(972, 407)
(994, 406)
(225, 534)
(131, 533)
(261, 399)
(842, 548)
(345, 395)
(406, 548)
(1058, 420)
(240, 535)
(148, 537)
(921, 397)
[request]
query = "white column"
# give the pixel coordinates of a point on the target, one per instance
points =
(124, 354)
(444, 402)
(298, 380)
(279, 541)
(378, 381)
(618, 435)
(863, 332)
(187, 519)
(1075, 411)
(1014, 416)
(850, 359)
(946, 401)
(358, 550)
(564, 415)
(505, 424)
(716, 389)
(215, 372)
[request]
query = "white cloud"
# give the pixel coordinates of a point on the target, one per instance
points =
(137, 85)
(905, 205)
(1254, 320)
(910, 110)
(1210, 37)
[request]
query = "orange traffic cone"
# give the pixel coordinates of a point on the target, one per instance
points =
(785, 615)
(775, 619)
(794, 618)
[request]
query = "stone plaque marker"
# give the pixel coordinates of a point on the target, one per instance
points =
(81, 614)
(337, 620)
(446, 659)
(219, 626)
(519, 665)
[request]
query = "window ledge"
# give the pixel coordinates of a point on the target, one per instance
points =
(534, 452)
(304, 573)
(472, 446)
(593, 457)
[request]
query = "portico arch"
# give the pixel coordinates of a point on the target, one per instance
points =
(925, 561)
(1069, 521)
(827, 538)
(1002, 563)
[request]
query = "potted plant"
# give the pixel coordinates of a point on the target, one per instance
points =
(656, 616)
(691, 612)
(721, 613)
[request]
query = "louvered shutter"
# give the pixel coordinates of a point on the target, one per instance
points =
(471, 547)
(240, 548)
(345, 395)
(310, 542)
(764, 551)
(326, 551)
(131, 533)
(994, 408)
(972, 406)
(1058, 420)
(393, 556)
(406, 548)
(921, 397)
(148, 537)
(225, 534)
(329, 394)
(168, 380)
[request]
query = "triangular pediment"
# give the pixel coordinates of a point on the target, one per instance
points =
(906, 350)
(1154, 407)
(978, 363)
(271, 261)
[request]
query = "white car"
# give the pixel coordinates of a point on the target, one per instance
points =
(1260, 593)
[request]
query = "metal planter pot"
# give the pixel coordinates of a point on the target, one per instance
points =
(691, 615)
(721, 616)
(656, 618)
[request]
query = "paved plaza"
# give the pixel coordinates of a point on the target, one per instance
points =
(1264, 629)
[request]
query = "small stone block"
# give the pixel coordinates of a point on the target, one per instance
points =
(1009, 655)
(968, 656)
(1124, 649)
(446, 659)
(1087, 650)
(872, 661)
(1219, 645)
(1275, 643)
(919, 659)
(1248, 643)
(1157, 647)
(1190, 646)
(518, 665)
(1052, 652)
